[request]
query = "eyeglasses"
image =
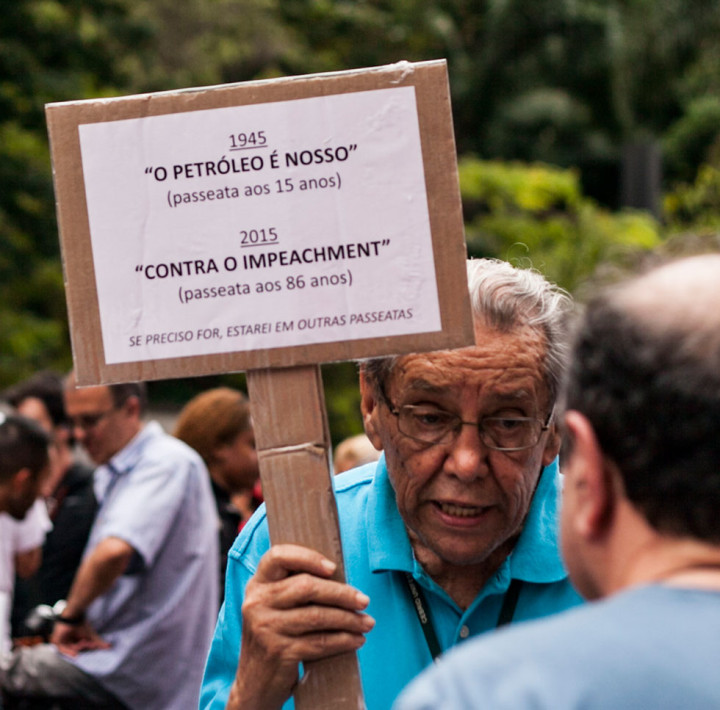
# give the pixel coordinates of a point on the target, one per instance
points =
(431, 425)
(86, 422)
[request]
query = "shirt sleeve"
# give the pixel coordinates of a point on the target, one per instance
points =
(30, 532)
(224, 653)
(142, 508)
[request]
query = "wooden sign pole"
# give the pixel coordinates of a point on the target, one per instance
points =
(294, 460)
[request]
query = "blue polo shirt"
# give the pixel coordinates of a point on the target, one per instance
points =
(377, 553)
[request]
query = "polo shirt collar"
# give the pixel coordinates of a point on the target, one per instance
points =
(388, 541)
(128, 457)
(536, 557)
(124, 460)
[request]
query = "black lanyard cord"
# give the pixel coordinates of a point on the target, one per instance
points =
(420, 606)
(510, 601)
(423, 611)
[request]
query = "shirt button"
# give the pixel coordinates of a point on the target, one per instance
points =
(464, 632)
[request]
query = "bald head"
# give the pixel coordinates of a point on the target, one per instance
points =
(682, 297)
(646, 374)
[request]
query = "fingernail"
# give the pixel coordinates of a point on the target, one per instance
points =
(362, 599)
(328, 565)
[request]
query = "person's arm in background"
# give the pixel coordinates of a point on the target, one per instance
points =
(28, 538)
(97, 573)
(28, 562)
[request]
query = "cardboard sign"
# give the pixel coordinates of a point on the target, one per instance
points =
(261, 225)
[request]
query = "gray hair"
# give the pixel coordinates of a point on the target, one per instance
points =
(507, 298)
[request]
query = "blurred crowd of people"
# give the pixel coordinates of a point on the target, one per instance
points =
(91, 558)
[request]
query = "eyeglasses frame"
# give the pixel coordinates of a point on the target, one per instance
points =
(395, 411)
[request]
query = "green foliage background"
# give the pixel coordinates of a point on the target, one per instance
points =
(546, 93)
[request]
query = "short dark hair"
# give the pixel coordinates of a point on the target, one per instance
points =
(652, 396)
(23, 444)
(47, 387)
(120, 394)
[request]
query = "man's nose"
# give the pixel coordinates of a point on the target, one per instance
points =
(467, 458)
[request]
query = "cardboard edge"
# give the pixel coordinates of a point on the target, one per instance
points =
(444, 206)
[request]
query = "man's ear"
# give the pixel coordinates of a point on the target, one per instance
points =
(552, 445)
(369, 406)
(590, 478)
(20, 480)
(132, 406)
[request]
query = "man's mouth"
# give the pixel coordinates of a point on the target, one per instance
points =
(460, 511)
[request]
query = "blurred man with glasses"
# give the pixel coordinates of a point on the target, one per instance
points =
(451, 534)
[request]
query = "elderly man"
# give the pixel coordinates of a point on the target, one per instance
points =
(450, 534)
(140, 611)
(640, 520)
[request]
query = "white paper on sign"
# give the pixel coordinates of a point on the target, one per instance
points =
(260, 226)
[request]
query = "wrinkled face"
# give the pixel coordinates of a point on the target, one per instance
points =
(98, 425)
(237, 462)
(462, 501)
